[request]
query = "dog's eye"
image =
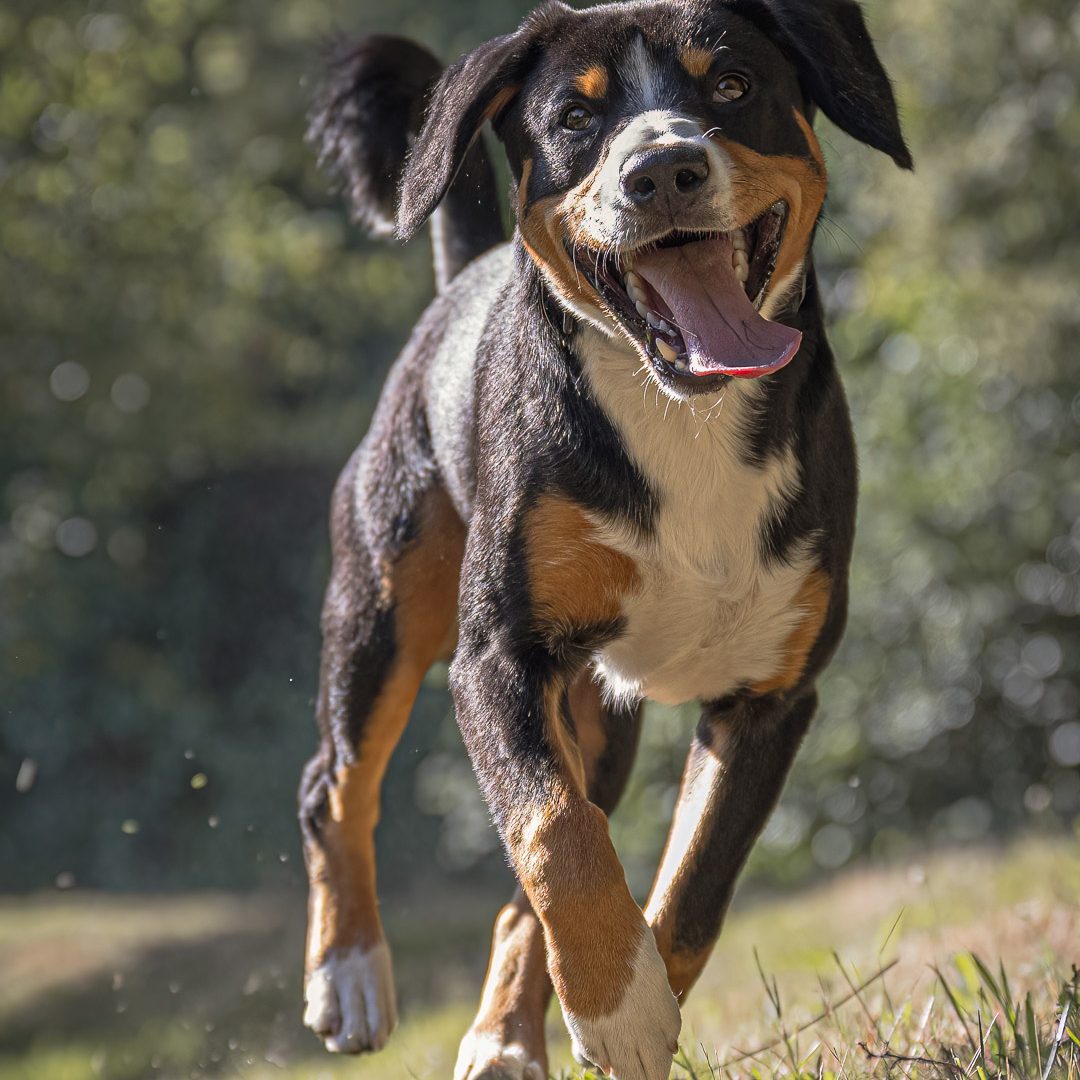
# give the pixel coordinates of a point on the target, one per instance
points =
(729, 87)
(576, 118)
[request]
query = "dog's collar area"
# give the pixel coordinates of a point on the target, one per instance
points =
(692, 300)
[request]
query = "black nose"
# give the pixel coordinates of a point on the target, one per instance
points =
(675, 170)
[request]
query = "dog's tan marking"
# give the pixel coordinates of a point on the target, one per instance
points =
(574, 579)
(543, 226)
(697, 61)
(593, 83)
(343, 908)
(587, 709)
(561, 737)
(426, 582)
(573, 878)
(684, 968)
(517, 987)
(764, 178)
(561, 847)
(510, 1020)
(812, 143)
(502, 98)
(813, 601)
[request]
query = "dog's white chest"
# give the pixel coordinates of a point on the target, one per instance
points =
(691, 635)
(710, 613)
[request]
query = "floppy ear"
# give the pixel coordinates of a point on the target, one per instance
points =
(474, 90)
(831, 47)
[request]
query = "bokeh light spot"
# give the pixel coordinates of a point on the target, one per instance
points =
(832, 846)
(76, 537)
(130, 393)
(1065, 744)
(169, 145)
(69, 381)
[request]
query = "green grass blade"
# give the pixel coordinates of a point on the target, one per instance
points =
(998, 990)
(956, 1006)
(1005, 987)
(1033, 1034)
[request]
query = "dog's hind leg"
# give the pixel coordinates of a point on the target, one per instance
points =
(506, 1040)
(736, 768)
(390, 611)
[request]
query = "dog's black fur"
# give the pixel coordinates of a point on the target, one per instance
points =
(495, 455)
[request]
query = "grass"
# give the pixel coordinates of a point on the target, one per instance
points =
(959, 967)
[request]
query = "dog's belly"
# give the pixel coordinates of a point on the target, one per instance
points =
(688, 637)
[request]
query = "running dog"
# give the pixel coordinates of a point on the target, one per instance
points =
(613, 463)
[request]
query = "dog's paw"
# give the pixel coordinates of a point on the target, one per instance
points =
(486, 1057)
(349, 1000)
(638, 1040)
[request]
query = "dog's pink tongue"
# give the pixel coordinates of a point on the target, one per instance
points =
(723, 332)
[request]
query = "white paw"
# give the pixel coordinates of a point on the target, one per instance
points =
(638, 1040)
(486, 1057)
(349, 1000)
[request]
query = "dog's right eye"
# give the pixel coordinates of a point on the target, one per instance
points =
(576, 118)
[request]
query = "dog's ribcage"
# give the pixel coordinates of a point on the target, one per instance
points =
(711, 613)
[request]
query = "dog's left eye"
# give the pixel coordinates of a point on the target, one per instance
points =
(576, 118)
(730, 87)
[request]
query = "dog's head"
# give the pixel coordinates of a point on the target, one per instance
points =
(668, 176)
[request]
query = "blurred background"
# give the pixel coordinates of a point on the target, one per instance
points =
(193, 338)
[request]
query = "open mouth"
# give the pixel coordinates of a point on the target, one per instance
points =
(692, 300)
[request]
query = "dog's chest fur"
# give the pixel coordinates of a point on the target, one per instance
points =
(711, 613)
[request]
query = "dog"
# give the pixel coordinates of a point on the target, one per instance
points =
(614, 462)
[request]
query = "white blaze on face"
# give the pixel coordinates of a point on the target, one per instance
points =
(641, 74)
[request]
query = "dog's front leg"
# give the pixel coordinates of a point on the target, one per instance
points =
(739, 759)
(602, 957)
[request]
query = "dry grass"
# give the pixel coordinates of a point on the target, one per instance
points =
(927, 949)
(962, 967)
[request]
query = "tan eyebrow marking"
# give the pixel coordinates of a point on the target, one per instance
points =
(592, 83)
(697, 61)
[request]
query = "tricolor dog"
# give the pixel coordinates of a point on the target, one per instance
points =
(614, 462)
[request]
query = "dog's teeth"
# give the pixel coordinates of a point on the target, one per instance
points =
(635, 287)
(654, 320)
(643, 311)
(681, 365)
(666, 351)
(741, 265)
(738, 240)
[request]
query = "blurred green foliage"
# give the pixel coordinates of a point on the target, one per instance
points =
(193, 339)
